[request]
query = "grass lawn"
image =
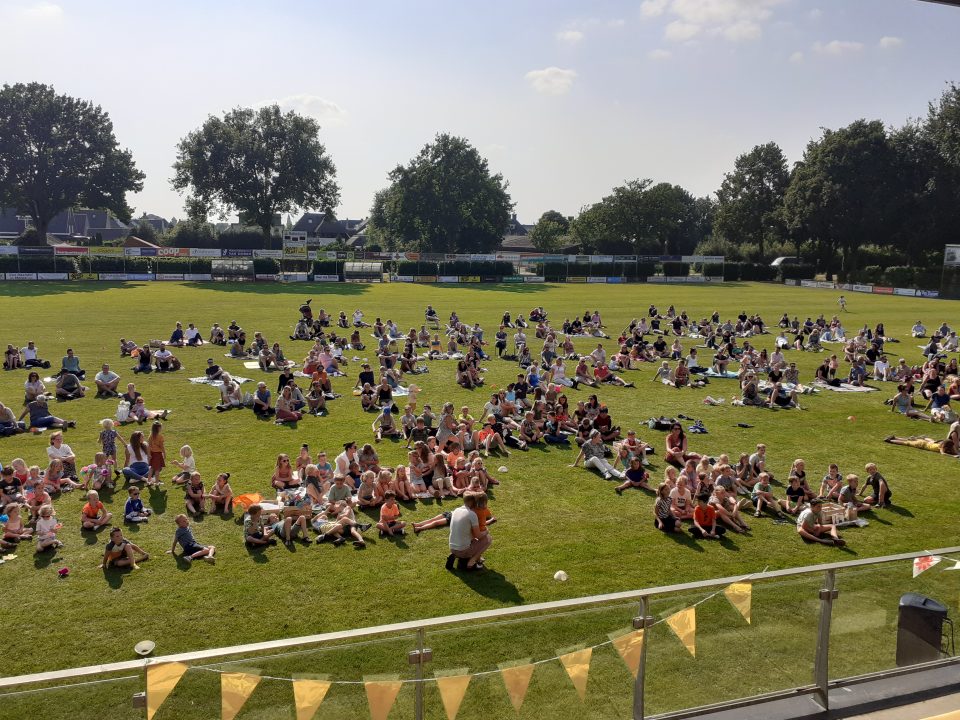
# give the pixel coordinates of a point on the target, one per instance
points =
(550, 517)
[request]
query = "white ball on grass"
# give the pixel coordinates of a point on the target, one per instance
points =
(502, 468)
(560, 576)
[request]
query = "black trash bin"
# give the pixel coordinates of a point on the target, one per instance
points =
(919, 629)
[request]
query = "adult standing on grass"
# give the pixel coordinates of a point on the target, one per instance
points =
(467, 541)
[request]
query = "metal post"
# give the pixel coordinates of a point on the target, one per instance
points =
(821, 663)
(418, 657)
(641, 622)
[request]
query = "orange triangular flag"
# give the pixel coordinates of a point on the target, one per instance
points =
(235, 688)
(307, 696)
(684, 626)
(629, 646)
(161, 680)
(381, 694)
(577, 665)
(739, 594)
(517, 680)
(452, 689)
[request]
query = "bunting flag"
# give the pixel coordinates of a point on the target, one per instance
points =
(452, 689)
(161, 680)
(517, 680)
(577, 665)
(629, 646)
(235, 688)
(739, 594)
(684, 626)
(307, 696)
(956, 565)
(381, 694)
(924, 563)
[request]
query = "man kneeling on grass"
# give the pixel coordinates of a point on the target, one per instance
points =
(810, 526)
(468, 541)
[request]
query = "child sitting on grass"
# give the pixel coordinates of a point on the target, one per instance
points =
(47, 527)
(133, 509)
(120, 552)
(221, 494)
(196, 496)
(288, 528)
(187, 464)
(705, 520)
(880, 491)
(14, 530)
(762, 496)
(192, 550)
(390, 523)
(254, 532)
(94, 515)
(100, 473)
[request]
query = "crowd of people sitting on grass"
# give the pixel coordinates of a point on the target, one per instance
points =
(447, 451)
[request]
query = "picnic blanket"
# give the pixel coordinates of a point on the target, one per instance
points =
(846, 387)
(726, 374)
(397, 391)
(254, 365)
(204, 380)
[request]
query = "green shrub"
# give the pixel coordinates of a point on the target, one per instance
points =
(899, 276)
(797, 272)
(676, 269)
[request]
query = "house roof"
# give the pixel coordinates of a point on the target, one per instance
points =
(317, 225)
(522, 243)
(134, 241)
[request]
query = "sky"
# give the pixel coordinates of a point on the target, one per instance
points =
(566, 99)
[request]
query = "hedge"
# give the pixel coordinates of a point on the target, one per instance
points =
(797, 272)
(676, 269)
(747, 272)
(266, 266)
(326, 267)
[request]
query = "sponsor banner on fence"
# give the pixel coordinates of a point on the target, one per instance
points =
(402, 278)
(106, 251)
(21, 276)
(469, 278)
(625, 258)
(509, 257)
(597, 259)
(826, 285)
(844, 286)
(448, 278)
(577, 279)
(490, 279)
(326, 278)
(52, 276)
(808, 283)
(578, 258)
(141, 276)
(702, 259)
(862, 288)
(266, 277)
(928, 293)
(173, 252)
(513, 279)
(44, 250)
(132, 252)
(169, 276)
(909, 292)
(425, 278)
(483, 257)
(236, 252)
(205, 252)
(149, 252)
(951, 255)
(202, 277)
(614, 280)
(295, 277)
(83, 276)
(880, 290)
(534, 279)
(793, 283)
(8, 249)
(69, 250)
(596, 279)
(695, 279)
(295, 253)
(113, 276)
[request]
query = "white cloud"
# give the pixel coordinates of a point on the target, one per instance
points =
(570, 36)
(815, 14)
(653, 8)
(679, 31)
(836, 48)
(742, 30)
(659, 54)
(889, 42)
(796, 58)
(41, 12)
(551, 80)
(326, 111)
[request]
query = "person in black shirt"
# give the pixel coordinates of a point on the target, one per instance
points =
(213, 371)
(366, 376)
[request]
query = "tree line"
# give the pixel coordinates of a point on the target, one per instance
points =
(864, 194)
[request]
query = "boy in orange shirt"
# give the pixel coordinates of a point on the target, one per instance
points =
(390, 524)
(94, 515)
(484, 516)
(705, 520)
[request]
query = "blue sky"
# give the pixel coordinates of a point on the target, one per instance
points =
(565, 99)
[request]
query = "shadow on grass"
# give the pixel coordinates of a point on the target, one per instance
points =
(45, 558)
(491, 584)
(900, 510)
(685, 539)
(158, 500)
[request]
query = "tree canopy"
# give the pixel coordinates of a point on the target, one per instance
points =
(550, 232)
(444, 200)
(58, 152)
(258, 163)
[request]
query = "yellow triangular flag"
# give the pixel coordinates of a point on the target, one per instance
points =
(381, 695)
(577, 665)
(684, 625)
(517, 680)
(629, 646)
(235, 688)
(739, 595)
(307, 696)
(452, 689)
(161, 680)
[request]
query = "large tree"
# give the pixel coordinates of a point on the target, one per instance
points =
(444, 200)
(59, 152)
(750, 198)
(841, 194)
(258, 163)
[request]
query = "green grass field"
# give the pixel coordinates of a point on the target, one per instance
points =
(551, 517)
